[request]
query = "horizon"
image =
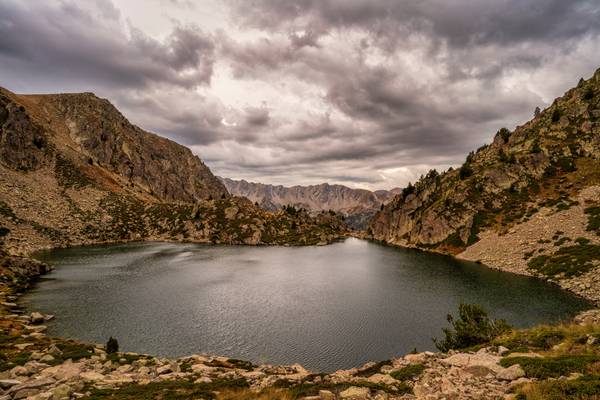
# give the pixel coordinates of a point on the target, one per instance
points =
(367, 95)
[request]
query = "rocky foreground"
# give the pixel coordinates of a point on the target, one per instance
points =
(35, 366)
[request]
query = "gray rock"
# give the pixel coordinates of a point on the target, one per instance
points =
(511, 373)
(7, 383)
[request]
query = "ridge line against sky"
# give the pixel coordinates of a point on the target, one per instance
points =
(367, 94)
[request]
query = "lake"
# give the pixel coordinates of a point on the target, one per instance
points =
(327, 307)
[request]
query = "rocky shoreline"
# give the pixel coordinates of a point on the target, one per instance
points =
(35, 366)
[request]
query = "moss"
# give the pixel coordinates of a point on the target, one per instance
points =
(409, 372)
(551, 367)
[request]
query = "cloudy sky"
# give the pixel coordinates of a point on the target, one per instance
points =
(367, 93)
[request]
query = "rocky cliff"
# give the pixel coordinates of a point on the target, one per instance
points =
(356, 205)
(74, 170)
(534, 189)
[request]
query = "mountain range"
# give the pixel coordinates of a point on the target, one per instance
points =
(357, 206)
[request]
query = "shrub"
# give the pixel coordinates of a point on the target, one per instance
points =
(112, 346)
(409, 189)
(472, 328)
(588, 94)
(504, 134)
(465, 171)
(555, 115)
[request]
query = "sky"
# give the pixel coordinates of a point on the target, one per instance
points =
(365, 93)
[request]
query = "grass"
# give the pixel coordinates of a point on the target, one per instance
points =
(567, 261)
(309, 389)
(593, 214)
(584, 388)
(408, 372)
(552, 367)
(168, 390)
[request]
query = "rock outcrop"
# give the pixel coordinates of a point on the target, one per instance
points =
(533, 173)
(73, 170)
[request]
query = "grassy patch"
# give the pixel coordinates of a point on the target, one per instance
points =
(408, 372)
(584, 388)
(551, 367)
(567, 261)
(311, 389)
(593, 214)
(172, 390)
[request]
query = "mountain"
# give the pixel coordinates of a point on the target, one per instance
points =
(528, 203)
(74, 170)
(356, 205)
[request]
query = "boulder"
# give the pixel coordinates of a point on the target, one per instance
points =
(62, 392)
(37, 318)
(355, 393)
(7, 383)
(92, 376)
(326, 395)
(511, 373)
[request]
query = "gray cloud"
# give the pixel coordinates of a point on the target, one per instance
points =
(362, 92)
(66, 43)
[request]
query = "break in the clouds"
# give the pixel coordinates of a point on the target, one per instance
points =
(359, 92)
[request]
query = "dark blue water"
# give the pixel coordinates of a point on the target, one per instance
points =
(328, 307)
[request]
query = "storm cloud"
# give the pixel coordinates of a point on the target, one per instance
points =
(365, 93)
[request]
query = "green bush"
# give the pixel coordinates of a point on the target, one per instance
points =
(465, 171)
(473, 327)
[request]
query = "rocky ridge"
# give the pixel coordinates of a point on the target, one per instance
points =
(356, 205)
(74, 171)
(527, 203)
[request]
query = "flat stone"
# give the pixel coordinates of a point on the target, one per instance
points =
(326, 395)
(7, 383)
(530, 355)
(511, 373)
(164, 370)
(23, 346)
(92, 376)
(382, 378)
(355, 393)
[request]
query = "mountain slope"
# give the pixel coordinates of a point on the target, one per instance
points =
(546, 167)
(73, 170)
(357, 205)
